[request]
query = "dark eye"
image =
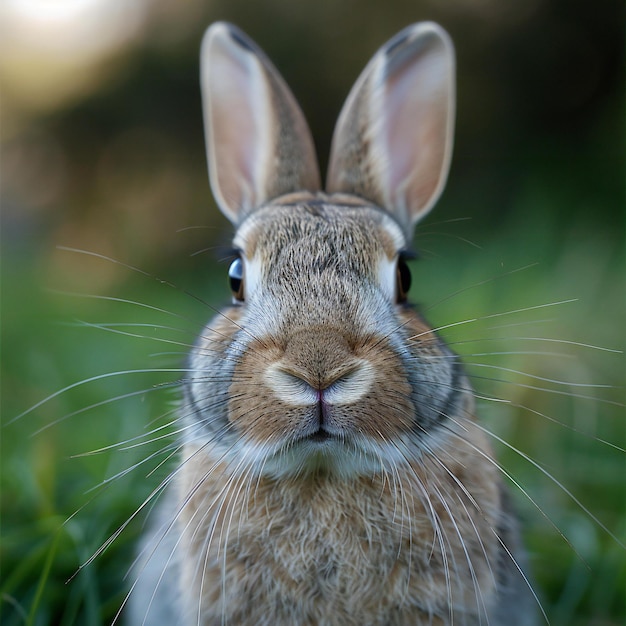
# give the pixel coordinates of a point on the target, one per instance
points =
(235, 278)
(403, 280)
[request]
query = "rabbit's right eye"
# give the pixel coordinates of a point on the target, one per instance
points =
(235, 278)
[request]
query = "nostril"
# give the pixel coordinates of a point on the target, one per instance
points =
(290, 388)
(352, 385)
(344, 385)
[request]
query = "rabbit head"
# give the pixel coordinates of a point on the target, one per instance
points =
(321, 364)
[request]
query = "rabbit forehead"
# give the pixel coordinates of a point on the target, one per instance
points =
(360, 236)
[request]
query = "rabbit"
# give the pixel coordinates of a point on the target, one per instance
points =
(332, 469)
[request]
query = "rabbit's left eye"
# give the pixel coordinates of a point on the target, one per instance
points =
(235, 278)
(403, 280)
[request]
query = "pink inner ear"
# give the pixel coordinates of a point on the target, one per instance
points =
(235, 126)
(417, 109)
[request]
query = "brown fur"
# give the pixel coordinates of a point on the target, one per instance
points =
(368, 551)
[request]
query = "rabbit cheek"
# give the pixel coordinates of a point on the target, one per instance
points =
(253, 410)
(436, 376)
(210, 363)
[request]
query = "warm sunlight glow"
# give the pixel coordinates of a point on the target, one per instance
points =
(51, 51)
(52, 10)
(65, 26)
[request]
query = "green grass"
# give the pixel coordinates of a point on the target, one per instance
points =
(59, 507)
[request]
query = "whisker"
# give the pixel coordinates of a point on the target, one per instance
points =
(558, 392)
(127, 444)
(559, 484)
(564, 383)
(95, 405)
(473, 320)
(92, 379)
(162, 281)
(482, 282)
(91, 296)
(564, 342)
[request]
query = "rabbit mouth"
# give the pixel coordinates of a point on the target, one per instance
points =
(321, 426)
(319, 437)
(323, 452)
(318, 433)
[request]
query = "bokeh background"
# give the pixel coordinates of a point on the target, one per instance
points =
(102, 151)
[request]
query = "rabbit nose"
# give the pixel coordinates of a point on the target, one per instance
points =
(346, 386)
(318, 367)
(317, 355)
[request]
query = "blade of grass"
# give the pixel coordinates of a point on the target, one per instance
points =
(45, 573)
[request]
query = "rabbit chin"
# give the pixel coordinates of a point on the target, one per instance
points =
(340, 457)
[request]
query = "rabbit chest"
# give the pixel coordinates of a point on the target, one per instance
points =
(317, 550)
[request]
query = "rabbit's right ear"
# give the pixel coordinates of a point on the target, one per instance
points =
(258, 143)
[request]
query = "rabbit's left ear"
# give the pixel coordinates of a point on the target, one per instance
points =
(393, 140)
(258, 143)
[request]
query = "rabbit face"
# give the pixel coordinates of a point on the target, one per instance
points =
(321, 365)
(324, 369)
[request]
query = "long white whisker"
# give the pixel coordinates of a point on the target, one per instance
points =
(473, 320)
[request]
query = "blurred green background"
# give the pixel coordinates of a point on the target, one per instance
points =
(102, 150)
